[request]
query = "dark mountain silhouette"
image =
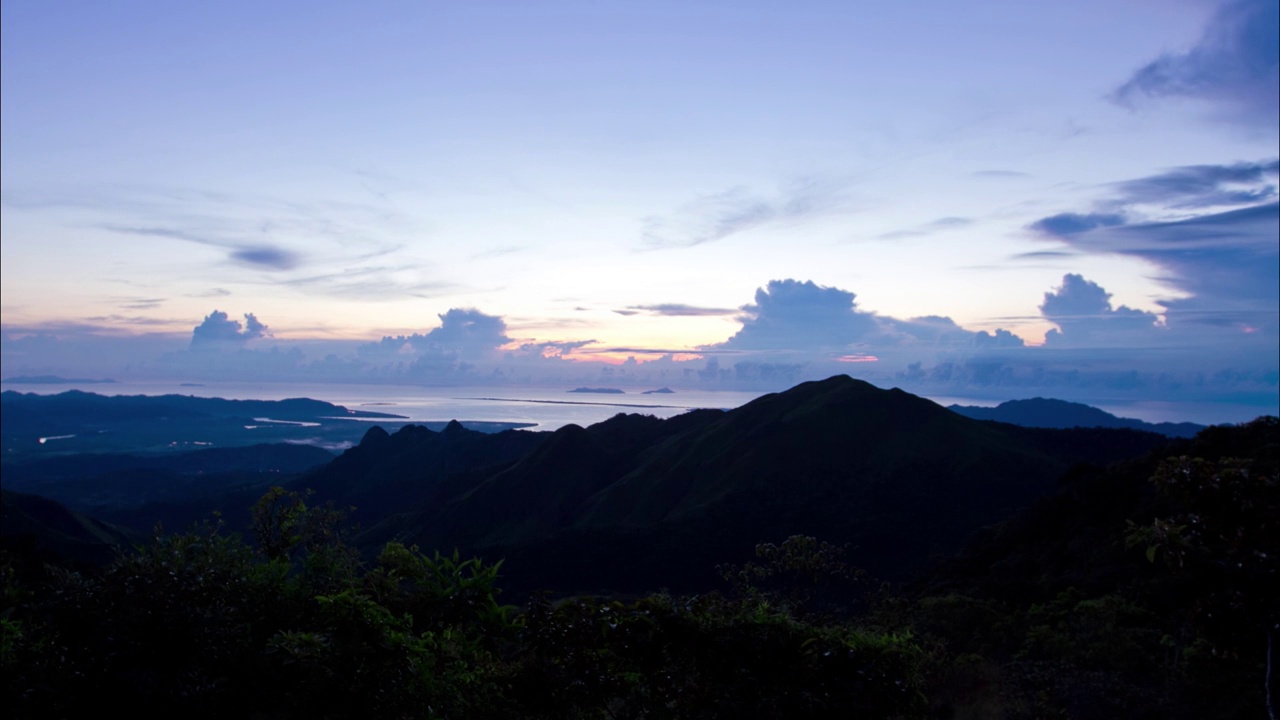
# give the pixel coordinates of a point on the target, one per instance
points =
(36, 529)
(81, 422)
(391, 473)
(632, 503)
(75, 406)
(1048, 413)
(1083, 607)
(637, 502)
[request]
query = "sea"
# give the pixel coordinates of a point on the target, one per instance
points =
(532, 407)
(550, 407)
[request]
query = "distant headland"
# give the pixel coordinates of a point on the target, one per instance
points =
(56, 380)
(602, 391)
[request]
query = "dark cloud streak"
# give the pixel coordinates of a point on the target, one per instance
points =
(677, 310)
(1233, 66)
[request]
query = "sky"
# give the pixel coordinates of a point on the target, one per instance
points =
(970, 199)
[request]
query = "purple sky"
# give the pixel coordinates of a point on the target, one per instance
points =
(978, 199)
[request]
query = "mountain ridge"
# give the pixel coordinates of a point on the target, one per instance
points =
(1061, 414)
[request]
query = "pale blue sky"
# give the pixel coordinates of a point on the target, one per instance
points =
(635, 173)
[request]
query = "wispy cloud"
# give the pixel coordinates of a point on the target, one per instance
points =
(929, 228)
(275, 236)
(266, 257)
(1000, 174)
(377, 283)
(139, 303)
(717, 216)
(1205, 186)
(1043, 255)
(677, 310)
(212, 292)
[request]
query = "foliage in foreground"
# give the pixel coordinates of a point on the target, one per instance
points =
(1146, 590)
(201, 624)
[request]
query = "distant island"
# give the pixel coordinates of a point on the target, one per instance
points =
(56, 380)
(659, 391)
(602, 391)
(191, 385)
(1058, 414)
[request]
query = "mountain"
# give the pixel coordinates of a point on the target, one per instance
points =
(636, 503)
(56, 380)
(389, 473)
(37, 529)
(36, 425)
(1049, 413)
(1079, 604)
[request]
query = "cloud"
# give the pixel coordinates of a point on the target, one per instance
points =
(139, 303)
(469, 331)
(374, 283)
(212, 292)
(218, 331)
(81, 350)
(268, 258)
(942, 333)
(341, 247)
(792, 321)
(1211, 229)
(945, 223)
(1065, 224)
(676, 310)
(1235, 66)
(795, 316)
(263, 256)
(1082, 311)
(552, 349)
(1042, 255)
(1000, 174)
(465, 336)
(719, 215)
(1000, 338)
(1205, 186)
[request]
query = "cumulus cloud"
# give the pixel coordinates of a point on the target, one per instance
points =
(793, 320)
(470, 332)
(1083, 313)
(795, 316)
(1211, 229)
(553, 349)
(1001, 338)
(465, 336)
(1234, 66)
(219, 331)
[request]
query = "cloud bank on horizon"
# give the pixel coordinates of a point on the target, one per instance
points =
(1073, 201)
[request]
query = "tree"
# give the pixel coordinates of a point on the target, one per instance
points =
(1226, 535)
